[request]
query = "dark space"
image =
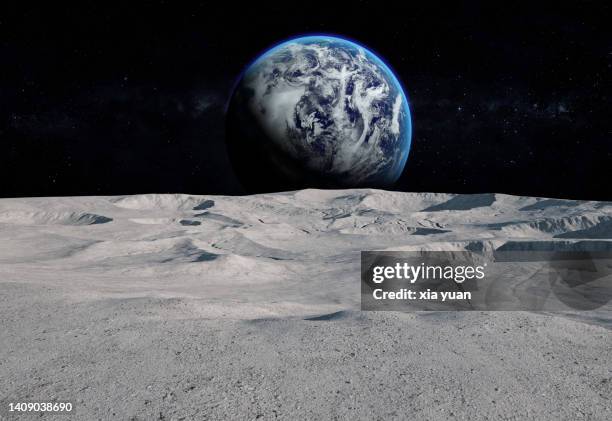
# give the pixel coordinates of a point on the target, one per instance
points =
(103, 101)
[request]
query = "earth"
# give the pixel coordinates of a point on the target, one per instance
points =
(318, 111)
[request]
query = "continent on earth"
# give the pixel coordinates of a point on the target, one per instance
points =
(318, 111)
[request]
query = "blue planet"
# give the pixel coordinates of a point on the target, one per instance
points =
(318, 111)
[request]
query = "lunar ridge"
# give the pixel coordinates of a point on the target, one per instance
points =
(293, 243)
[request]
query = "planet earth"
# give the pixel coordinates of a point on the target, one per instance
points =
(318, 111)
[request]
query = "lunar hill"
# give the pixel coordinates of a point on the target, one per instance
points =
(285, 254)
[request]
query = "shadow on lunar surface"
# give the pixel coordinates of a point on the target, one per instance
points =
(52, 218)
(230, 222)
(187, 222)
(337, 315)
(207, 204)
(464, 202)
(601, 230)
(548, 203)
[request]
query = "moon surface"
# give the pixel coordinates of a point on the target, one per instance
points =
(213, 307)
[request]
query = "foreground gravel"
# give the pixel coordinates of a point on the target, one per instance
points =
(146, 358)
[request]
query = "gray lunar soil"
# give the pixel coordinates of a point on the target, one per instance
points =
(181, 307)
